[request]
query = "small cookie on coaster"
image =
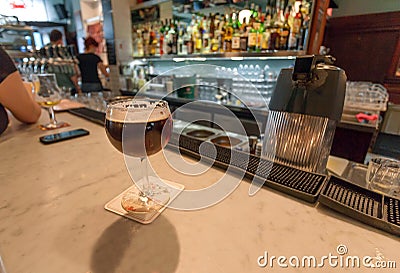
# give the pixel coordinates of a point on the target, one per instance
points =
(128, 207)
(140, 209)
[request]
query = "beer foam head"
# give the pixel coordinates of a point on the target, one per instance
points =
(136, 111)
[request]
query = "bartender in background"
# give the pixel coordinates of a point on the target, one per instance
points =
(66, 80)
(89, 64)
(14, 96)
(55, 38)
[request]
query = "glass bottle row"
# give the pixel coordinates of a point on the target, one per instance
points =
(282, 26)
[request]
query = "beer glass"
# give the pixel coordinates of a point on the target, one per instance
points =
(47, 94)
(140, 128)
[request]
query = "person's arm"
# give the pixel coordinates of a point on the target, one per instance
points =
(103, 69)
(15, 97)
(74, 78)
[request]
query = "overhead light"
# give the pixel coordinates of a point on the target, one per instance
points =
(237, 58)
(178, 60)
(93, 19)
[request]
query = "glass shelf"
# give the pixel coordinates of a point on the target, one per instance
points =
(234, 56)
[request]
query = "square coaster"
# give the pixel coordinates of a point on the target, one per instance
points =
(145, 218)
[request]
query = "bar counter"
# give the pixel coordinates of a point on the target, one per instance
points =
(53, 218)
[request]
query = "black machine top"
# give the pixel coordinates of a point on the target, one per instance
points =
(313, 87)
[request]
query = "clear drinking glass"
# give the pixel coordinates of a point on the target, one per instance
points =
(140, 128)
(384, 176)
(48, 94)
(373, 166)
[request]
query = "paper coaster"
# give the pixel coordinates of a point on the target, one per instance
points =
(145, 218)
(61, 124)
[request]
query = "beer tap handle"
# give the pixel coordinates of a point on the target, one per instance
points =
(302, 71)
(304, 66)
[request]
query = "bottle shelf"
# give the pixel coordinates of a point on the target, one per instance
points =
(147, 4)
(222, 9)
(234, 56)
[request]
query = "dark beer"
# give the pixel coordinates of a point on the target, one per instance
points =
(139, 139)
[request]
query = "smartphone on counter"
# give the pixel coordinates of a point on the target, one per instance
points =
(53, 138)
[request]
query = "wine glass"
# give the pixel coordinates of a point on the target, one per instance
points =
(139, 128)
(47, 94)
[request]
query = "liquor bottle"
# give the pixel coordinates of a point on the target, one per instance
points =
(175, 38)
(198, 43)
(266, 35)
(268, 9)
(153, 41)
(252, 40)
(212, 26)
(284, 33)
(295, 32)
(228, 35)
(277, 22)
(170, 34)
(298, 18)
(214, 42)
(161, 39)
(157, 41)
(243, 38)
(197, 36)
(214, 33)
(216, 24)
(180, 43)
(260, 31)
(252, 10)
(189, 44)
(274, 28)
(236, 34)
(172, 39)
(134, 41)
(140, 50)
(256, 12)
(193, 34)
(304, 28)
(166, 48)
(221, 32)
(186, 42)
(206, 42)
(146, 41)
(205, 36)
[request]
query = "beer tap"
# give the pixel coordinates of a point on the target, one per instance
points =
(37, 63)
(43, 61)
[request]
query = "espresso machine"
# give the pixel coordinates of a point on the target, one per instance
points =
(304, 109)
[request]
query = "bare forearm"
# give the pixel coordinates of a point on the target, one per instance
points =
(18, 99)
(74, 80)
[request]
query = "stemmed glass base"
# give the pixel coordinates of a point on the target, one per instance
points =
(136, 201)
(53, 124)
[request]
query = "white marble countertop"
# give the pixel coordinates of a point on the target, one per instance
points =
(52, 217)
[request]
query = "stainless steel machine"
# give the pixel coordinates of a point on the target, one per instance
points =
(304, 109)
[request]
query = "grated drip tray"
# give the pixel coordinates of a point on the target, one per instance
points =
(393, 210)
(362, 204)
(295, 182)
(89, 114)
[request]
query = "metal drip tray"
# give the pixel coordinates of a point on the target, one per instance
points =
(226, 141)
(364, 205)
(201, 133)
(356, 173)
(213, 135)
(301, 184)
